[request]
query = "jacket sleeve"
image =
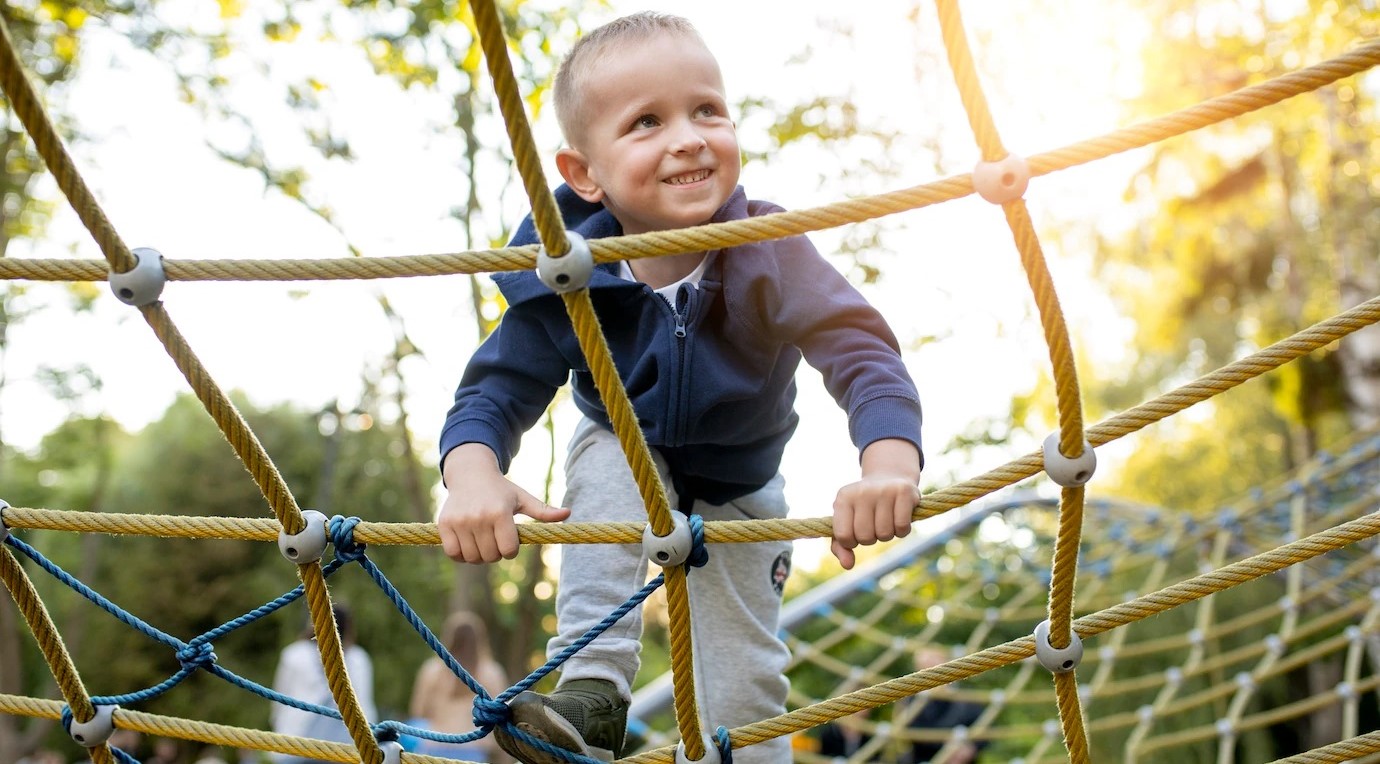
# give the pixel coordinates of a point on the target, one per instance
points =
(806, 302)
(507, 385)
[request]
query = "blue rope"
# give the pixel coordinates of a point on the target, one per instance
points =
(725, 745)
(488, 712)
(589, 636)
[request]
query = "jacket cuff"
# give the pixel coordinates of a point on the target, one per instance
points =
(474, 431)
(887, 416)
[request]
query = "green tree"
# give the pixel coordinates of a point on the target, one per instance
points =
(1269, 237)
(1252, 230)
(181, 465)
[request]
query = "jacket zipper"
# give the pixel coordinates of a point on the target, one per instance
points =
(681, 311)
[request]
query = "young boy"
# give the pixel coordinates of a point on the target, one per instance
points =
(707, 345)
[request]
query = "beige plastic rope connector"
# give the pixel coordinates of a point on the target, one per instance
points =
(1002, 181)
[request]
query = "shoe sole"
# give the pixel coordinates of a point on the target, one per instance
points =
(535, 718)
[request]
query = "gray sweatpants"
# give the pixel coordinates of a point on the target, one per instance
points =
(735, 599)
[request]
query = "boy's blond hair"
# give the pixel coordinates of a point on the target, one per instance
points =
(589, 49)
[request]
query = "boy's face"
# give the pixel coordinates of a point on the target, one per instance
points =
(656, 146)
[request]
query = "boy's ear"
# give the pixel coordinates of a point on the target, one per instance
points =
(575, 169)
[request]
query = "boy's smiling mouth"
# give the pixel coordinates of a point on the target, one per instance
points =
(686, 179)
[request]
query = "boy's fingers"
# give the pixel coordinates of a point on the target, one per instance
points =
(843, 553)
(450, 544)
(903, 511)
(843, 525)
(506, 537)
(469, 551)
(865, 527)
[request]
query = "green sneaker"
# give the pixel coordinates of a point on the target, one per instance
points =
(586, 716)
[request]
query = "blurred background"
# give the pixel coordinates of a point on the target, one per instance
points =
(335, 128)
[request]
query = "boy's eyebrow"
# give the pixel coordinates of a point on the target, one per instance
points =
(652, 102)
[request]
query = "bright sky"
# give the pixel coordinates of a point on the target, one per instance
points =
(1056, 72)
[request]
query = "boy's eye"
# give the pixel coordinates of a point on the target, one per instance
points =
(645, 121)
(707, 111)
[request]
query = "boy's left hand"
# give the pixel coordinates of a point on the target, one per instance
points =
(879, 506)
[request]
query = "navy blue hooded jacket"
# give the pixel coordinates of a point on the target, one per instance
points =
(713, 384)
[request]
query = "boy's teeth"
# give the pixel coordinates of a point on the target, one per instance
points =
(681, 180)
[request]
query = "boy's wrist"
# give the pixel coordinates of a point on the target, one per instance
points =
(466, 459)
(892, 457)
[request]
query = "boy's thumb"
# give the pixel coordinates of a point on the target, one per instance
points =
(539, 510)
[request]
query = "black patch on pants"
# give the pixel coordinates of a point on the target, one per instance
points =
(780, 571)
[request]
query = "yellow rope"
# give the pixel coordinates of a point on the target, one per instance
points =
(49, 641)
(545, 214)
(1345, 750)
(965, 76)
(549, 226)
(740, 531)
(26, 104)
(49, 145)
(1090, 625)
(547, 219)
(209, 733)
(228, 419)
(333, 661)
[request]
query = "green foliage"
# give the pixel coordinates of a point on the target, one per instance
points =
(1253, 235)
(180, 465)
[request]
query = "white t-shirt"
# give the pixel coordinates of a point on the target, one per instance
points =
(300, 675)
(668, 292)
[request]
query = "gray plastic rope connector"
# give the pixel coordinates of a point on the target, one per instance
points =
(392, 751)
(143, 283)
(307, 545)
(96, 730)
(1059, 660)
(711, 753)
(4, 529)
(570, 271)
(1002, 181)
(672, 549)
(1068, 472)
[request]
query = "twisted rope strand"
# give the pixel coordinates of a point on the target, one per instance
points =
(46, 635)
(50, 147)
(545, 214)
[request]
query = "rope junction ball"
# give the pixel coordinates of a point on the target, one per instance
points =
(1059, 660)
(711, 752)
(96, 730)
(307, 545)
(569, 272)
(142, 284)
(672, 549)
(1069, 472)
(1002, 181)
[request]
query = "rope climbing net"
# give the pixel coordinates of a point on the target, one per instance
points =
(1001, 178)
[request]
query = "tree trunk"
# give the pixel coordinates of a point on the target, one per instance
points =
(1352, 240)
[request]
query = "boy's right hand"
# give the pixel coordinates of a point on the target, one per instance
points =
(476, 519)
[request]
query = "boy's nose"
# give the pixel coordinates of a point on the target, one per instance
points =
(687, 139)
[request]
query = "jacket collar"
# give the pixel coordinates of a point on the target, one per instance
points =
(592, 221)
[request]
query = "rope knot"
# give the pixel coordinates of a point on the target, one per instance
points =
(342, 531)
(699, 552)
(196, 655)
(490, 713)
